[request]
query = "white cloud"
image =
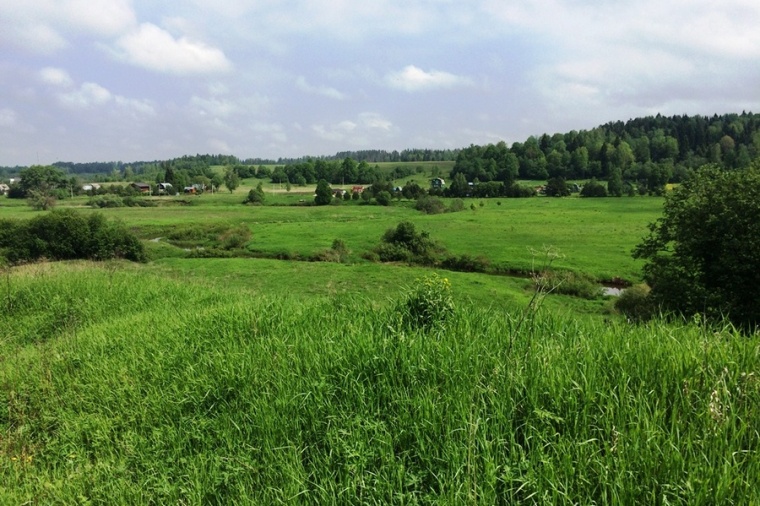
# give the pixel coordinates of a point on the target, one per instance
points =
(215, 107)
(56, 77)
(325, 91)
(44, 26)
(413, 79)
(88, 95)
(156, 49)
(359, 132)
(135, 106)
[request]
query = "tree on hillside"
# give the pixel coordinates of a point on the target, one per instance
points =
(231, 180)
(703, 255)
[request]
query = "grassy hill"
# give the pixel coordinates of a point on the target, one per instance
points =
(124, 385)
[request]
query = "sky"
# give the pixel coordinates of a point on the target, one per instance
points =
(133, 80)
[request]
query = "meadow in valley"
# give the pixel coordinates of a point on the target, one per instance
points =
(263, 355)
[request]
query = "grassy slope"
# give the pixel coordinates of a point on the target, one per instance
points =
(124, 386)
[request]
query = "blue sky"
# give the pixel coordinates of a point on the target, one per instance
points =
(107, 80)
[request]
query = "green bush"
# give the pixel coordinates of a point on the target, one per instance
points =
(456, 206)
(466, 263)
(635, 303)
(66, 235)
(106, 201)
(405, 244)
(594, 189)
(236, 237)
(430, 205)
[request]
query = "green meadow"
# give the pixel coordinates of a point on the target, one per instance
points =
(258, 376)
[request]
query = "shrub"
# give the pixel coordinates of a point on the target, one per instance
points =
(594, 189)
(338, 252)
(106, 201)
(429, 304)
(456, 206)
(383, 198)
(430, 205)
(405, 244)
(66, 235)
(466, 263)
(635, 303)
(235, 238)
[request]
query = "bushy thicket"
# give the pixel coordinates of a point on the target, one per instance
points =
(66, 235)
(405, 244)
(594, 189)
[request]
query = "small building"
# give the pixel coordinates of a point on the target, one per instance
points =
(339, 192)
(141, 187)
(189, 189)
(437, 182)
(90, 187)
(357, 189)
(4, 189)
(165, 189)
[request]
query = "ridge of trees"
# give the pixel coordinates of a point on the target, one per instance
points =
(652, 151)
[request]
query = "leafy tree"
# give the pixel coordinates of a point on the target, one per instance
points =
(64, 234)
(557, 187)
(323, 194)
(256, 196)
(45, 178)
(459, 186)
(703, 255)
(593, 189)
(216, 182)
(404, 243)
(231, 180)
(383, 198)
(615, 182)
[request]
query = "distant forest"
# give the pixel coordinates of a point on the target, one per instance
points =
(656, 149)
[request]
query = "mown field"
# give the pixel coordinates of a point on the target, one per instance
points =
(193, 380)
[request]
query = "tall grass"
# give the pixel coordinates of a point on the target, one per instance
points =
(123, 387)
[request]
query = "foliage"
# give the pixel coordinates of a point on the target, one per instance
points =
(456, 206)
(256, 196)
(41, 199)
(429, 304)
(593, 189)
(231, 180)
(557, 187)
(430, 205)
(338, 252)
(383, 198)
(466, 263)
(703, 255)
(236, 237)
(635, 304)
(323, 194)
(65, 235)
(405, 244)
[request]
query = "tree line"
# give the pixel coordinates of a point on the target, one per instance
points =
(650, 151)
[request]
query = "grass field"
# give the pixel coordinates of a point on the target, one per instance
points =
(243, 380)
(595, 236)
(127, 386)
